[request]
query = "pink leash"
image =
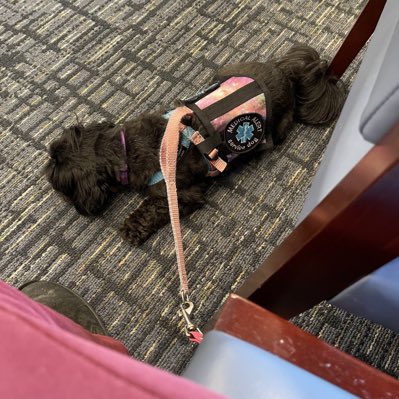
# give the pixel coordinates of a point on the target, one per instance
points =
(168, 160)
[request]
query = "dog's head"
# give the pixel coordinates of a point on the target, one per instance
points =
(80, 166)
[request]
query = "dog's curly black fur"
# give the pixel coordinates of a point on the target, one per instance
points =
(86, 160)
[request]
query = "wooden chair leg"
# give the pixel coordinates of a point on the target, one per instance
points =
(352, 232)
(265, 330)
(357, 37)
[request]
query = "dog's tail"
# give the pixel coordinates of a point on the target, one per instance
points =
(319, 96)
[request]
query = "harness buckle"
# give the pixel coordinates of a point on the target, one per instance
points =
(213, 154)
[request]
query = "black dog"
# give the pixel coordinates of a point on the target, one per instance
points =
(89, 164)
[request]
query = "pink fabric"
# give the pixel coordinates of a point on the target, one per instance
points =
(20, 302)
(44, 355)
(256, 104)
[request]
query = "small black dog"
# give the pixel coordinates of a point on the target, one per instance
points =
(89, 164)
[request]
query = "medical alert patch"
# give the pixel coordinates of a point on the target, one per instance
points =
(244, 133)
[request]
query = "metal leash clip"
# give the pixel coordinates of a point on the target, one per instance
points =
(193, 333)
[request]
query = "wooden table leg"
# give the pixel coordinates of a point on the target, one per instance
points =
(357, 37)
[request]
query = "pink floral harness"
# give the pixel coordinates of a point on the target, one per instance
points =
(235, 116)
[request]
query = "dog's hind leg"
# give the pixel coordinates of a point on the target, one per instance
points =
(153, 213)
(283, 127)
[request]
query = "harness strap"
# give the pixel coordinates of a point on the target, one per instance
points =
(213, 157)
(206, 145)
(232, 100)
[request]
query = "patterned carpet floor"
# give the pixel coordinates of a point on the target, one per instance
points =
(96, 59)
(369, 342)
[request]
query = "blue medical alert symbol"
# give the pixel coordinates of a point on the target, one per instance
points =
(245, 132)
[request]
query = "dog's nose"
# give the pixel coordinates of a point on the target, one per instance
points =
(55, 155)
(82, 210)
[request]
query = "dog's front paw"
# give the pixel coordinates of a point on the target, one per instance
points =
(145, 220)
(135, 234)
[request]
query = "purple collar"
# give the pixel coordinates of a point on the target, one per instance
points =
(123, 171)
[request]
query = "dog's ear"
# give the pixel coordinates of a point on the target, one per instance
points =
(91, 192)
(93, 129)
(76, 134)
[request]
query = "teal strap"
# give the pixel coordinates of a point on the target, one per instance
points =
(187, 133)
(155, 178)
(185, 142)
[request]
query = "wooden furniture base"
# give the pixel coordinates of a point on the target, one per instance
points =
(351, 233)
(259, 327)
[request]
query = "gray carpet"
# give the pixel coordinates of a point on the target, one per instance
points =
(361, 338)
(98, 59)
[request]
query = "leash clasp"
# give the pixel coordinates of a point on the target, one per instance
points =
(192, 332)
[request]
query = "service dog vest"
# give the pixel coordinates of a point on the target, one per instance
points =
(235, 115)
